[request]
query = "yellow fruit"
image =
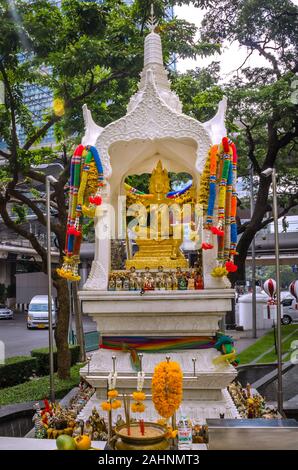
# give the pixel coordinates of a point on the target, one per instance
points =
(83, 442)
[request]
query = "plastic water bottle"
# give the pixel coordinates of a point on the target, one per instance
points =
(184, 434)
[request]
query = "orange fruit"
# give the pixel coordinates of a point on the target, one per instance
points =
(83, 442)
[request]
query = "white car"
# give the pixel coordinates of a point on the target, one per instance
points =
(38, 312)
(289, 310)
(5, 312)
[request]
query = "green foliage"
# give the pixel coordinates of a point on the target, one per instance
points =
(83, 52)
(88, 231)
(42, 358)
(20, 212)
(35, 193)
(39, 389)
(267, 272)
(141, 182)
(17, 370)
(199, 91)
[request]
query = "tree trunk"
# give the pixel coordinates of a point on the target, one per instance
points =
(61, 331)
(261, 207)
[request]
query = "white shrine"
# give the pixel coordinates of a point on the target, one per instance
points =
(153, 128)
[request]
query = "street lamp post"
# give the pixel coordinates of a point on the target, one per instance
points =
(50, 179)
(253, 260)
(271, 172)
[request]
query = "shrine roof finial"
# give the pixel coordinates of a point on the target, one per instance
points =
(152, 23)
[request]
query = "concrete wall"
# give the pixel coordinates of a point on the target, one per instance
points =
(30, 284)
(4, 271)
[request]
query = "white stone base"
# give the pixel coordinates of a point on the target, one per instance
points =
(205, 384)
(198, 411)
(157, 313)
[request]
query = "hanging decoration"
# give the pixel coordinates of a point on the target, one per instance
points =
(221, 165)
(225, 344)
(112, 403)
(293, 288)
(139, 396)
(85, 188)
(270, 289)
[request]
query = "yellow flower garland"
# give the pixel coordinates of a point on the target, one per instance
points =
(219, 271)
(167, 384)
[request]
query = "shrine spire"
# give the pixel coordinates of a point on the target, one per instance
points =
(153, 62)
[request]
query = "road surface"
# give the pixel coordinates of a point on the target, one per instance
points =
(19, 341)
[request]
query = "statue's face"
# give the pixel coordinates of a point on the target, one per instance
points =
(159, 185)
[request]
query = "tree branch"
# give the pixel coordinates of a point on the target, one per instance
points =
(68, 104)
(251, 147)
(32, 204)
(21, 231)
(255, 45)
(35, 175)
(41, 131)
(21, 197)
(40, 201)
(243, 63)
(14, 135)
(292, 203)
(287, 138)
(4, 154)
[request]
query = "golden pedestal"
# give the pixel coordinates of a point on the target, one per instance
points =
(155, 253)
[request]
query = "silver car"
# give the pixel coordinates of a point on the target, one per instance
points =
(290, 310)
(5, 312)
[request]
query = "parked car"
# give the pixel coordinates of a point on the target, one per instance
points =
(38, 314)
(5, 312)
(290, 310)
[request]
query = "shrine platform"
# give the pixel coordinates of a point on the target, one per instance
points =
(157, 313)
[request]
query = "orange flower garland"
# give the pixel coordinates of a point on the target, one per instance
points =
(139, 396)
(138, 407)
(106, 406)
(167, 384)
(113, 393)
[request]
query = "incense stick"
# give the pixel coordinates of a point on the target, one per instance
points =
(126, 401)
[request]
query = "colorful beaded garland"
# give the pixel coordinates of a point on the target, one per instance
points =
(222, 190)
(85, 187)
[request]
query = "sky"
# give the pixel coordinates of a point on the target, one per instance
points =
(230, 59)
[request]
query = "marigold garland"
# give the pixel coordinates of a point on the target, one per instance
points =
(139, 396)
(167, 384)
(116, 404)
(138, 407)
(106, 406)
(113, 393)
